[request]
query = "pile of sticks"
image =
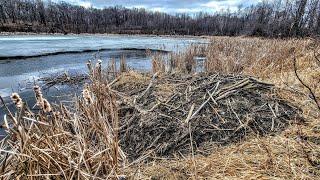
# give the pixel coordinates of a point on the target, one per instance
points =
(202, 110)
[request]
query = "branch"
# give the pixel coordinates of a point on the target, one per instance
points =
(6, 107)
(304, 84)
(148, 88)
(316, 57)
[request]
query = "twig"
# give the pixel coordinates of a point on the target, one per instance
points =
(145, 91)
(35, 121)
(304, 84)
(9, 112)
(114, 81)
(190, 113)
(316, 57)
(204, 103)
(192, 151)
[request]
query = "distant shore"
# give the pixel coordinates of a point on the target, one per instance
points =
(98, 34)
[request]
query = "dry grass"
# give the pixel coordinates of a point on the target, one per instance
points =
(82, 142)
(293, 154)
(158, 62)
(277, 157)
(65, 143)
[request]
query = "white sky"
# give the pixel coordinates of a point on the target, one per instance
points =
(170, 6)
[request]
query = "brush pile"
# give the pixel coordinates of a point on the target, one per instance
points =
(135, 118)
(162, 116)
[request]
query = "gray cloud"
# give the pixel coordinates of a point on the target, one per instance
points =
(169, 5)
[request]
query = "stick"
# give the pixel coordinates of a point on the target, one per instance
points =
(316, 57)
(9, 112)
(204, 103)
(304, 84)
(190, 113)
(149, 86)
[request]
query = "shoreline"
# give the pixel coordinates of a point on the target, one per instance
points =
(76, 52)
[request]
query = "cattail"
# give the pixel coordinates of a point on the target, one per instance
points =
(41, 102)
(46, 106)
(99, 63)
(37, 91)
(98, 68)
(89, 65)
(86, 94)
(17, 100)
(38, 95)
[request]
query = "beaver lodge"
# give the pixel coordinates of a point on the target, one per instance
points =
(162, 116)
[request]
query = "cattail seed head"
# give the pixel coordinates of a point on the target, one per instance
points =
(89, 65)
(86, 94)
(97, 70)
(37, 91)
(98, 64)
(17, 100)
(38, 95)
(46, 106)
(41, 102)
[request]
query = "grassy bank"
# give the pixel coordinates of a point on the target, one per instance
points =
(160, 125)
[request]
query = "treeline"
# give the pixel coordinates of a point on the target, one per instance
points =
(275, 18)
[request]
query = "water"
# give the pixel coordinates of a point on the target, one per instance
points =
(19, 66)
(15, 73)
(27, 45)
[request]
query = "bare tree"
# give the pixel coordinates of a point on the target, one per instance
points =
(301, 4)
(270, 18)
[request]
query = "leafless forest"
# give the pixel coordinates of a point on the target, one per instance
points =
(278, 18)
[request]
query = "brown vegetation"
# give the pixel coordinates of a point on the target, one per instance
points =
(164, 123)
(292, 154)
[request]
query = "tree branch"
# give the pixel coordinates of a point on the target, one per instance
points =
(304, 84)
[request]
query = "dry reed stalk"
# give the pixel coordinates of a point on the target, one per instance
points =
(90, 68)
(112, 68)
(123, 65)
(158, 64)
(98, 69)
(80, 144)
(185, 62)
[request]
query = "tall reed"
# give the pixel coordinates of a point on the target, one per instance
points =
(62, 143)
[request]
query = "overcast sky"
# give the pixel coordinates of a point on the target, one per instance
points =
(170, 6)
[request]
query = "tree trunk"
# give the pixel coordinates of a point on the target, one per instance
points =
(296, 27)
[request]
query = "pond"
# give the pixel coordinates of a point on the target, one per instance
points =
(26, 58)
